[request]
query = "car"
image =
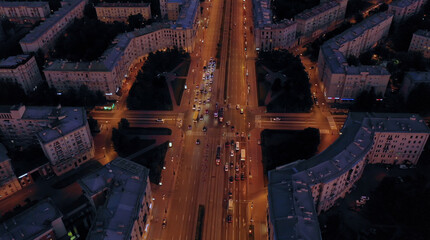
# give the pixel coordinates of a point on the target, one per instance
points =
(195, 99)
(242, 176)
(237, 106)
(227, 144)
(237, 134)
(232, 142)
(236, 177)
(208, 100)
(231, 179)
(228, 123)
(237, 168)
(160, 120)
(190, 127)
(232, 128)
(242, 134)
(164, 223)
(226, 167)
(199, 109)
(276, 119)
(194, 107)
(230, 195)
(201, 117)
(207, 111)
(198, 141)
(197, 86)
(231, 165)
(200, 101)
(204, 129)
(232, 153)
(241, 111)
(229, 218)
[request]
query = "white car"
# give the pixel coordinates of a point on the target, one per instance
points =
(276, 119)
(232, 153)
(226, 167)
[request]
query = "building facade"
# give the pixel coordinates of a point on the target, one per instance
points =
(43, 36)
(9, 183)
(403, 9)
(21, 69)
(42, 221)
(110, 12)
(62, 132)
(23, 12)
(121, 194)
(342, 82)
(301, 190)
(420, 42)
(173, 9)
(108, 72)
(313, 22)
(269, 35)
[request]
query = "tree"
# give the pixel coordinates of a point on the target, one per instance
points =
(93, 124)
(123, 124)
(418, 99)
(135, 21)
(90, 11)
(365, 101)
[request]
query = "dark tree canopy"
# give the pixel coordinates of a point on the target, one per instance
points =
(287, 9)
(86, 39)
(295, 94)
(150, 90)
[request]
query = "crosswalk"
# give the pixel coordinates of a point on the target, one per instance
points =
(201, 134)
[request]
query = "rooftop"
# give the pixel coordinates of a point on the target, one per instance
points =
(315, 11)
(37, 32)
(110, 57)
(123, 5)
(14, 61)
(291, 207)
(31, 223)
(64, 120)
(336, 59)
(187, 14)
(402, 3)
(127, 183)
(24, 4)
(418, 77)
(423, 33)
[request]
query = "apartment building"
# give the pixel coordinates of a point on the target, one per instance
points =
(163, 9)
(301, 190)
(23, 12)
(110, 12)
(21, 69)
(62, 132)
(42, 221)
(9, 183)
(43, 36)
(173, 9)
(269, 35)
(403, 9)
(342, 82)
(107, 73)
(413, 80)
(120, 192)
(313, 22)
(420, 42)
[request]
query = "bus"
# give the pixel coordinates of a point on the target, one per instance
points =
(106, 107)
(242, 155)
(195, 116)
